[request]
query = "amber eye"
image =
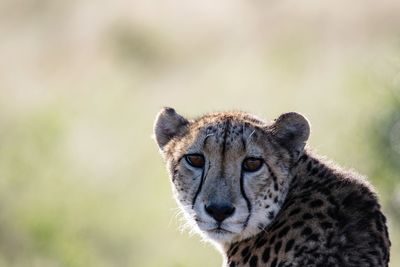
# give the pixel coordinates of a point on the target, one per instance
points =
(195, 160)
(252, 164)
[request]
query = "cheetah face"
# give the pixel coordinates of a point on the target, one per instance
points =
(230, 172)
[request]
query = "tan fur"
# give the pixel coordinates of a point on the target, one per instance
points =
(295, 210)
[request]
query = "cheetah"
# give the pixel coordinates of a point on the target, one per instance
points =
(263, 198)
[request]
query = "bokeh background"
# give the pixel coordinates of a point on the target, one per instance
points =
(81, 181)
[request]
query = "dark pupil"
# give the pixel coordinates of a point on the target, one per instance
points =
(196, 161)
(252, 164)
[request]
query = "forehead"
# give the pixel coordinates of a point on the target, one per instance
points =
(227, 122)
(226, 130)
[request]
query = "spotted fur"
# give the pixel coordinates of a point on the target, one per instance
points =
(296, 210)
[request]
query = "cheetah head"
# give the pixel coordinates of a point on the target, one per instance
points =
(230, 171)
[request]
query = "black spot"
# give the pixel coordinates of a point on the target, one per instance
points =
(246, 259)
(350, 199)
(265, 255)
(326, 225)
(314, 171)
(289, 245)
(261, 240)
(300, 252)
(329, 239)
(295, 211)
(313, 237)
(308, 184)
(288, 204)
(276, 186)
(316, 203)
(273, 263)
(325, 191)
(298, 224)
(309, 166)
(319, 215)
(333, 213)
(379, 224)
(303, 158)
(253, 261)
(277, 225)
(232, 264)
(245, 251)
(284, 231)
(304, 200)
(323, 173)
(272, 240)
(234, 249)
(307, 216)
(273, 176)
(278, 246)
(306, 231)
(271, 215)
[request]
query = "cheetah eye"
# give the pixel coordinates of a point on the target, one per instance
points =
(252, 164)
(195, 160)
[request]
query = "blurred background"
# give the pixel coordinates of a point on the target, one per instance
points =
(81, 181)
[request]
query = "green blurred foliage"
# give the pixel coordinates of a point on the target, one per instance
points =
(81, 181)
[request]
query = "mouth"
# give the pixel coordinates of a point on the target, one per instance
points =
(219, 234)
(220, 230)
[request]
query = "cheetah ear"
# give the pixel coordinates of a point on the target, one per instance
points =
(168, 124)
(291, 130)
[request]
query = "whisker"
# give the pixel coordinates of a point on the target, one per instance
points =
(249, 138)
(178, 214)
(262, 229)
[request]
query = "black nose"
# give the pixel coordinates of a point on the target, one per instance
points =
(220, 211)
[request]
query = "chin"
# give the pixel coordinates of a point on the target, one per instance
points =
(220, 236)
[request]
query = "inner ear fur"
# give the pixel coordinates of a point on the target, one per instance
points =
(291, 130)
(168, 124)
